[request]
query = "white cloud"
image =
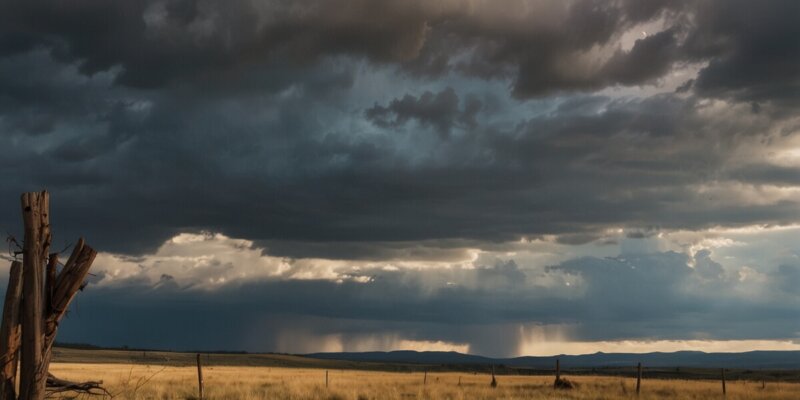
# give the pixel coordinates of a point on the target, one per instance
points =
(202, 260)
(208, 260)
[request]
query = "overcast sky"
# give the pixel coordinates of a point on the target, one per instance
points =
(494, 177)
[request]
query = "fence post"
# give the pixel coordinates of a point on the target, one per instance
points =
(558, 369)
(326, 378)
(638, 378)
(558, 373)
(200, 376)
(494, 381)
(425, 378)
(722, 371)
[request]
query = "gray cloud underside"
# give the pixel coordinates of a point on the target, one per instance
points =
(130, 179)
(640, 297)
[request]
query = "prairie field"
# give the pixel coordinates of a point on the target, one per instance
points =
(141, 381)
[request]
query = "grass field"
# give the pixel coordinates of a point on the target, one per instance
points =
(169, 375)
(137, 381)
(141, 381)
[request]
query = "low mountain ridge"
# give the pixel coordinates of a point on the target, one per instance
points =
(689, 359)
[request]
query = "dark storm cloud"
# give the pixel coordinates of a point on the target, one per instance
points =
(543, 45)
(649, 58)
(156, 42)
(261, 168)
(439, 110)
(762, 173)
(752, 48)
(37, 94)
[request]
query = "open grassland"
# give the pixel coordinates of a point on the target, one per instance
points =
(141, 381)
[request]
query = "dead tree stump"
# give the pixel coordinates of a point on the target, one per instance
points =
(30, 318)
(36, 219)
(10, 333)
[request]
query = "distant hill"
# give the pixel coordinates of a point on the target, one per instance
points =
(688, 359)
(414, 360)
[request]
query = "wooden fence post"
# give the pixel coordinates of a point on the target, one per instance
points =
(558, 373)
(425, 378)
(638, 378)
(10, 333)
(326, 378)
(722, 372)
(200, 376)
(494, 381)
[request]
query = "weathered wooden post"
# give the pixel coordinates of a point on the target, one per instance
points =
(326, 378)
(722, 373)
(10, 333)
(45, 297)
(64, 287)
(36, 219)
(425, 378)
(558, 369)
(494, 381)
(459, 380)
(558, 373)
(638, 378)
(561, 383)
(200, 377)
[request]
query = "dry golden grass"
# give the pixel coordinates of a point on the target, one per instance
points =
(136, 381)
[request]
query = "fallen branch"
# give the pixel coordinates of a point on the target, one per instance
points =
(94, 388)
